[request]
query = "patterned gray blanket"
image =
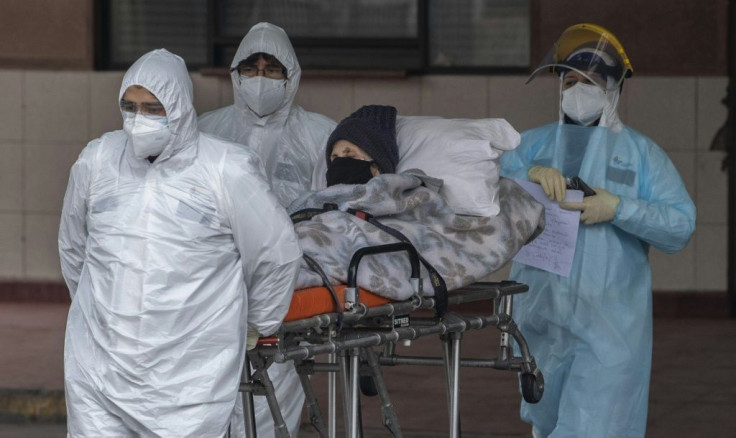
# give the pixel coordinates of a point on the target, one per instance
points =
(463, 249)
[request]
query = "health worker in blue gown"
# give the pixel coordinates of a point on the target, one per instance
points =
(591, 332)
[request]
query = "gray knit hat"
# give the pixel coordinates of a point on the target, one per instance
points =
(373, 129)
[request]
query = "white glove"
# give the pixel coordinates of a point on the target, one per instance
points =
(552, 181)
(251, 338)
(600, 207)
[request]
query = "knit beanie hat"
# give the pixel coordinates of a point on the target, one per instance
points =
(373, 129)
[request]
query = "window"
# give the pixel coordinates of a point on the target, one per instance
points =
(327, 34)
(479, 34)
(420, 36)
(129, 28)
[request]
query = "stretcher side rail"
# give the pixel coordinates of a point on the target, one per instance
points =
(484, 290)
(474, 292)
(359, 313)
(352, 291)
(451, 323)
(362, 339)
(524, 363)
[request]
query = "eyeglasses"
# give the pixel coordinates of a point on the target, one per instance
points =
(272, 72)
(152, 108)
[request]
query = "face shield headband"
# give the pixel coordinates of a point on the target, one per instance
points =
(591, 51)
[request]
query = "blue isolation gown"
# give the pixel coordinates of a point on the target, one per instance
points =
(591, 332)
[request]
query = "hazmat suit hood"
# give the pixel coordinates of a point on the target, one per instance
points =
(291, 140)
(609, 117)
(165, 75)
(270, 39)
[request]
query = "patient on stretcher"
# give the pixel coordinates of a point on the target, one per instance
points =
(362, 146)
(363, 196)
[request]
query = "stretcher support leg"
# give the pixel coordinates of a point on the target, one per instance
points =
(448, 375)
(249, 414)
(505, 351)
(260, 378)
(451, 359)
(332, 399)
(455, 339)
(354, 393)
(388, 413)
(313, 411)
(346, 396)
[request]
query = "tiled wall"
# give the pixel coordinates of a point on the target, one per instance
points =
(47, 117)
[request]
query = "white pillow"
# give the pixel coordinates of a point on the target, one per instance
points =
(463, 152)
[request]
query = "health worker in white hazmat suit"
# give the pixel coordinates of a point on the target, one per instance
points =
(591, 332)
(290, 140)
(171, 244)
(265, 75)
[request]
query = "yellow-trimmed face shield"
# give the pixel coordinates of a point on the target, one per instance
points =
(590, 50)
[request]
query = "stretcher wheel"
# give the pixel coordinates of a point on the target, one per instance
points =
(368, 386)
(532, 386)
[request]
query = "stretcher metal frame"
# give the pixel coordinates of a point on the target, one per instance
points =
(348, 339)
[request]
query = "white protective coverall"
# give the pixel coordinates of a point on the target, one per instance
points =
(591, 332)
(290, 141)
(167, 263)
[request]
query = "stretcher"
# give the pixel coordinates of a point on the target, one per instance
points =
(355, 333)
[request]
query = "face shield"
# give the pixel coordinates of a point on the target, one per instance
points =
(591, 51)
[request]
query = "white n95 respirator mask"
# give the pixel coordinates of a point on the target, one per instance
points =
(148, 134)
(262, 95)
(583, 103)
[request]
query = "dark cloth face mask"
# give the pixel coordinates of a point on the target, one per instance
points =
(343, 170)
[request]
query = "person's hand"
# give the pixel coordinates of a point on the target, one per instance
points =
(600, 207)
(251, 338)
(551, 180)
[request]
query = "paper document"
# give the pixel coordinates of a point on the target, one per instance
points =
(554, 248)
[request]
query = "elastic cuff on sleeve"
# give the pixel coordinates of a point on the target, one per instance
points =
(624, 210)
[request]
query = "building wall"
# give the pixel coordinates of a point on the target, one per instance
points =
(663, 38)
(47, 34)
(49, 116)
(674, 37)
(54, 103)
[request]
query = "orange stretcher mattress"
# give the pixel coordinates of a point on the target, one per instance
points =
(317, 300)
